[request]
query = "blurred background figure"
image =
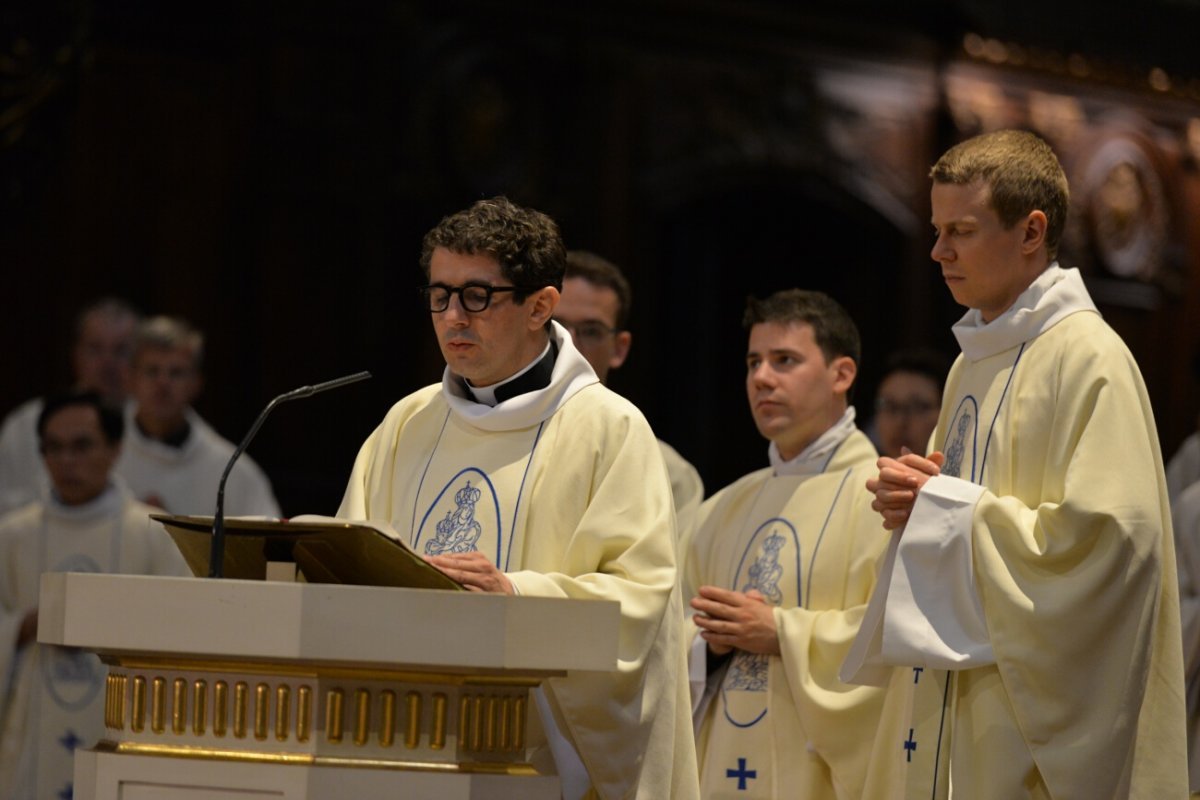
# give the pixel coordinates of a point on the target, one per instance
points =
(172, 458)
(99, 363)
(909, 399)
(88, 522)
(594, 307)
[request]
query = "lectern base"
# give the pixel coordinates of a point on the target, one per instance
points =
(123, 776)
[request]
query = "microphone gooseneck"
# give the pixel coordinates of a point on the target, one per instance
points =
(216, 557)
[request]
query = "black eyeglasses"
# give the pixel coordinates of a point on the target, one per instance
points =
(474, 297)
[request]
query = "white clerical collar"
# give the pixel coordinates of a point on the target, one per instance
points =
(813, 459)
(487, 394)
(571, 374)
(1054, 295)
(105, 504)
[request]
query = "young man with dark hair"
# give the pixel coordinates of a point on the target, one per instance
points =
(521, 473)
(1029, 598)
(779, 571)
(88, 523)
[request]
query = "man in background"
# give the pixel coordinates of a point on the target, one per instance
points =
(779, 571)
(594, 307)
(53, 700)
(172, 458)
(100, 357)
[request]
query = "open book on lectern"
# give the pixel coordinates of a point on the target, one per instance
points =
(324, 549)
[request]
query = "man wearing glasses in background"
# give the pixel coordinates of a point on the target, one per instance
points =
(521, 473)
(594, 307)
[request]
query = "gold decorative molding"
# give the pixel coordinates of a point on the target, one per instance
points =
(370, 718)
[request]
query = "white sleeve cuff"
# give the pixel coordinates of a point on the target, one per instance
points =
(934, 617)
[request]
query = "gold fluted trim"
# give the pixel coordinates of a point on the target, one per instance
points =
(518, 722)
(362, 716)
(333, 715)
(412, 720)
(240, 697)
(387, 725)
(476, 767)
(220, 708)
(437, 739)
(489, 735)
(504, 713)
(303, 713)
(262, 710)
(158, 704)
(464, 721)
(283, 707)
(137, 710)
(114, 702)
(477, 723)
(199, 707)
(179, 705)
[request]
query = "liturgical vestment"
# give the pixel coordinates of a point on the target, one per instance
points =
(803, 534)
(53, 700)
(1031, 601)
(565, 490)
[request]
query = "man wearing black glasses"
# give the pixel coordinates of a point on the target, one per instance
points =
(521, 473)
(595, 309)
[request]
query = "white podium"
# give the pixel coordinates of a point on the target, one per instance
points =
(230, 689)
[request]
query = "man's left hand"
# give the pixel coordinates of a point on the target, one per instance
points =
(473, 570)
(736, 619)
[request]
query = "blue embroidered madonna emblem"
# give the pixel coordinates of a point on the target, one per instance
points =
(463, 518)
(769, 565)
(458, 532)
(963, 428)
(73, 678)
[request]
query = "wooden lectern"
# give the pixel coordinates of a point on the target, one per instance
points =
(243, 689)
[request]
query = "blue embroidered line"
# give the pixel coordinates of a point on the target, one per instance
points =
(1000, 405)
(813, 560)
(412, 528)
(937, 754)
(520, 492)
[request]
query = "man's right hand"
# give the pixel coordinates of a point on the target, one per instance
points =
(898, 483)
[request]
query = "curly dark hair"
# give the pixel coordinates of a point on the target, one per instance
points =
(525, 242)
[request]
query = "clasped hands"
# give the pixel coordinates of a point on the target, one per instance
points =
(898, 482)
(730, 619)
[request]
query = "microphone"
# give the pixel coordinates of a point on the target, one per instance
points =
(216, 557)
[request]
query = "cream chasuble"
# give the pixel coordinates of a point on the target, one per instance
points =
(566, 491)
(786, 726)
(53, 700)
(1031, 600)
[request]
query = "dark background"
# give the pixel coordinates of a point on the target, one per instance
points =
(266, 169)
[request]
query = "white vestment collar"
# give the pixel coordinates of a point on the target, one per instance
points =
(813, 459)
(571, 374)
(1054, 295)
(106, 504)
(161, 451)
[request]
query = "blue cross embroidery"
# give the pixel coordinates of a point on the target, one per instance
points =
(917, 674)
(910, 745)
(67, 793)
(70, 741)
(742, 774)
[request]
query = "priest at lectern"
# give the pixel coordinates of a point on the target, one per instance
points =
(521, 473)
(52, 697)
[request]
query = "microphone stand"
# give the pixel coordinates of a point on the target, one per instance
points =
(216, 557)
